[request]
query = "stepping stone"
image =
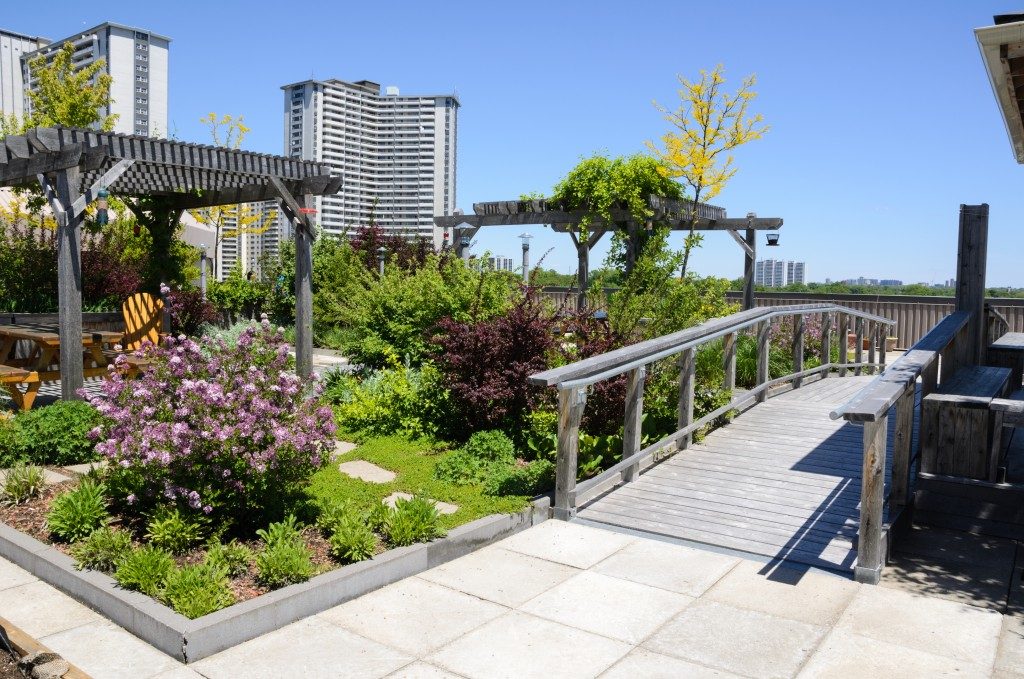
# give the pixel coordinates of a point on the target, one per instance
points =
(49, 477)
(84, 469)
(442, 507)
(366, 471)
(342, 447)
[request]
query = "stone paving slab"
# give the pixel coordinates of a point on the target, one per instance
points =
(672, 567)
(342, 447)
(41, 610)
(50, 477)
(103, 648)
(442, 507)
(568, 543)
(650, 665)
(85, 468)
(1010, 657)
(366, 471)
(422, 670)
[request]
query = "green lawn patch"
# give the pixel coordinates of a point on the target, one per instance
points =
(413, 462)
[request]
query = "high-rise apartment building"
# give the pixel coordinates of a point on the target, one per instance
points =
(136, 60)
(396, 153)
(12, 82)
(776, 273)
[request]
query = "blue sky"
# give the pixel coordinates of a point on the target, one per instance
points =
(882, 118)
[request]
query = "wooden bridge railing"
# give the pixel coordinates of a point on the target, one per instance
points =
(573, 380)
(947, 343)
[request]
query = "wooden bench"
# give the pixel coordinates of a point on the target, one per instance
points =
(11, 377)
(1008, 352)
(959, 432)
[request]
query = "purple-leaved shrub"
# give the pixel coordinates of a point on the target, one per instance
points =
(224, 431)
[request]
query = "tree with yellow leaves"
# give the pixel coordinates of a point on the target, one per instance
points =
(231, 221)
(710, 124)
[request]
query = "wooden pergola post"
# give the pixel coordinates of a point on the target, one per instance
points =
(69, 284)
(749, 258)
(971, 260)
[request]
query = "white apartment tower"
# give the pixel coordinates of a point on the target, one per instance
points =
(12, 83)
(395, 152)
(136, 60)
(776, 273)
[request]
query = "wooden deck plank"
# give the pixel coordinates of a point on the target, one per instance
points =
(781, 480)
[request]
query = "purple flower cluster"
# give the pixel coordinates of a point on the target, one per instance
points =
(210, 426)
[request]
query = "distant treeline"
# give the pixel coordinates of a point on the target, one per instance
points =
(848, 289)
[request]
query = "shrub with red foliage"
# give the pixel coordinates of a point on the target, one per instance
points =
(409, 254)
(188, 310)
(484, 365)
(106, 280)
(584, 337)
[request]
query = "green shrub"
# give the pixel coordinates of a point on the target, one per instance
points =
(10, 453)
(144, 570)
(102, 550)
(350, 534)
(23, 482)
(170, 530)
(285, 559)
(414, 520)
(388, 401)
(379, 516)
(529, 480)
(541, 435)
(58, 433)
(234, 557)
(196, 590)
(78, 512)
(475, 461)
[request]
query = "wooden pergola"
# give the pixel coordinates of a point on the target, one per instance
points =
(72, 165)
(677, 214)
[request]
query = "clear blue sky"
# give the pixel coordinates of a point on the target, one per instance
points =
(882, 118)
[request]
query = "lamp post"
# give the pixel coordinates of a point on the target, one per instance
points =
(525, 238)
(202, 269)
(382, 253)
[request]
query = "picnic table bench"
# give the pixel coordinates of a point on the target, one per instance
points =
(1008, 352)
(959, 431)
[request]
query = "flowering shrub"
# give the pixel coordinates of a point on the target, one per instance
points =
(225, 430)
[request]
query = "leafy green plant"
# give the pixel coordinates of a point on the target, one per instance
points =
(541, 435)
(414, 520)
(351, 537)
(473, 462)
(23, 482)
(386, 401)
(169, 529)
(102, 550)
(234, 557)
(379, 516)
(58, 433)
(144, 570)
(285, 558)
(196, 590)
(78, 512)
(529, 479)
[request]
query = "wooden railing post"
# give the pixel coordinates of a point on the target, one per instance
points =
(798, 348)
(687, 373)
(872, 335)
(883, 337)
(844, 343)
(901, 447)
(729, 361)
(826, 342)
(858, 350)
(570, 410)
(763, 330)
(633, 420)
(870, 551)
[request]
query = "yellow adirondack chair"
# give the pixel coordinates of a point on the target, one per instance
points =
(143, 320)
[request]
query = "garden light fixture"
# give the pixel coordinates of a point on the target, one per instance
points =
(382, 253)
(773, 240)
(101, 207)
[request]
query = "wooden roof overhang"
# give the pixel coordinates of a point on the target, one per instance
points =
(190, 175)
(1002, 49)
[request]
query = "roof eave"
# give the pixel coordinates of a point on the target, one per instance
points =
(990, 42)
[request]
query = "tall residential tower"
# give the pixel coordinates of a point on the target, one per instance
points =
(12, 83)
(395, 152)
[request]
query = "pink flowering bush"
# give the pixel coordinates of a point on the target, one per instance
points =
(225, 431)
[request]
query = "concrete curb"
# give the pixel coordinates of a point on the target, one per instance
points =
(191, 640)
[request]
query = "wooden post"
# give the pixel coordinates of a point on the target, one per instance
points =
(883, 334)
(971, 259)
(631, 245)
(763, 329)
(582, 273)
(872, 335)
(303, 295)
(870, 551)
(798, 348)
(858, 350)
(634, 417)
(570, 410)
(844, 343)
(729, 361)
(748, 270)
(69, 285)
(687, 374)
(901, 451)
(826, 341)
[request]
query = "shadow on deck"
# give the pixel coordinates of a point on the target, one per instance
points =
(781, 481)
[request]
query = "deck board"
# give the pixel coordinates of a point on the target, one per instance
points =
(781, 481)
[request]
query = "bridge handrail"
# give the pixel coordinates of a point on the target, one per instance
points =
(573, 380)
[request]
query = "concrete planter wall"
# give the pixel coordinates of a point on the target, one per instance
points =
(191, 640)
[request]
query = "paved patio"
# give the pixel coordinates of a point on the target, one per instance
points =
(567, 600)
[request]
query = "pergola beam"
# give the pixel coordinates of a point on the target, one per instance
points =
(618, 216)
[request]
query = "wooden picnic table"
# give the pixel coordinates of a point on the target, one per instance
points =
(1008, 352)
(42, 360)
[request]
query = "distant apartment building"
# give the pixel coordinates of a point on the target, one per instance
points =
(396, 153)
(136, 60)
(258, 242)
(776, 273)
(501, 263)
(12, 81)
(890, 282)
